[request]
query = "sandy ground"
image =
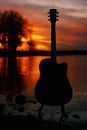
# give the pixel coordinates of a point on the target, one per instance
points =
(13, 116)
(23, 117)
(31, 122)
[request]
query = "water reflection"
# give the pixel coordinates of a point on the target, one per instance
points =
(29, 68)
(21, 76)
(11, 82)
(3, 73)
(77, 72)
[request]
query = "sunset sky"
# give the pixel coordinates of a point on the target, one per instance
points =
(71, 29)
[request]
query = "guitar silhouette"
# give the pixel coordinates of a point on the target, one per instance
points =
(53, 87)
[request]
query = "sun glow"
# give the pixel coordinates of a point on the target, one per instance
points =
(23, 39)
(1, 46)
(37, 37)
(24, 47)
(41, 47)
(34, 42)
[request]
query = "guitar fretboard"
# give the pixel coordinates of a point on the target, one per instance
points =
(53, 18)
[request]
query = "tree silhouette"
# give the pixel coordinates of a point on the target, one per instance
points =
(12, 28)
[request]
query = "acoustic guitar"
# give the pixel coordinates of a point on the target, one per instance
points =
(53, 86)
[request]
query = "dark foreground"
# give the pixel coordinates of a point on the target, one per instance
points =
(9, 121)
(29, 122)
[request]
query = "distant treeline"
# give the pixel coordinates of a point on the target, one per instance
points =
(48, 53)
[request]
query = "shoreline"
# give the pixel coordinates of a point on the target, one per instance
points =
(44, 53)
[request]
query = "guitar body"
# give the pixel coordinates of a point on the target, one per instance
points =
(53, 87)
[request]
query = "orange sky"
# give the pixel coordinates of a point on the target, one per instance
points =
(71, 29)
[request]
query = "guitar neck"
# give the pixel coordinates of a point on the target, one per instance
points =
(53, 18)
(53, 41)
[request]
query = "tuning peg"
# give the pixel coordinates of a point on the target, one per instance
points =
(57, 14)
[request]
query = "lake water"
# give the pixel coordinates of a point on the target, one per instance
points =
(27, 74)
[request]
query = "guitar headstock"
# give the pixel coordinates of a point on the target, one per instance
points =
(53, 15)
